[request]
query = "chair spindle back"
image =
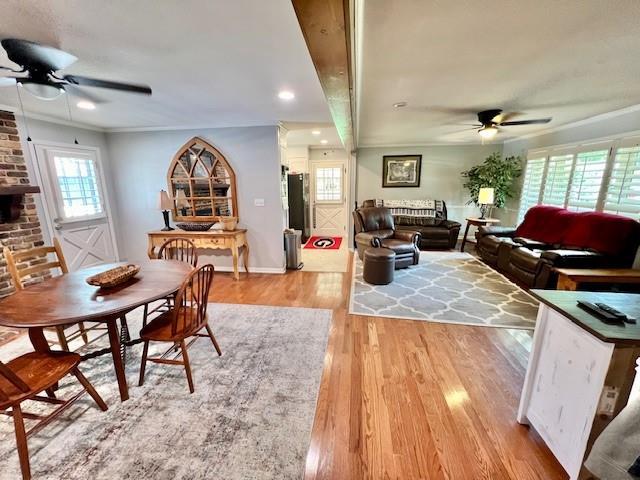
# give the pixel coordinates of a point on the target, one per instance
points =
(181, 249)
(190, 310)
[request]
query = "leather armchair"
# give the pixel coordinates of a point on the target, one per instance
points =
(375, 228)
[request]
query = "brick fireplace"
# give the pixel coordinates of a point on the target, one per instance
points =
(25, 231)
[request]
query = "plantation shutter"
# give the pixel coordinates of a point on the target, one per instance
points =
(530, 195)
(586, 180)
(557, 180)
(623, 194)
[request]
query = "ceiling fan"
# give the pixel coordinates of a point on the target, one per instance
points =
(490, 120)
(40, 64)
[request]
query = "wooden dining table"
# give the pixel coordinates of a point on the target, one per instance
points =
(69, 299)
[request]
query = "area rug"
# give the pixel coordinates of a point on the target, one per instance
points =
(324, 243)
(446, 287)
(249, 418)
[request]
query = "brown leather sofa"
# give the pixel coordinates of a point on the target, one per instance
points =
(435, 232)
(375, 228)
(552, 237)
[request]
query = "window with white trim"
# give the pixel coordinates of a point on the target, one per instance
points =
(78, 184)
(595, 177)
(586, 181)
(557, 180)
(328, 184)
(623, 194)
(531, 185)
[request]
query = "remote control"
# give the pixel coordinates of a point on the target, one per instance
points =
(611, 310)
(603, 314)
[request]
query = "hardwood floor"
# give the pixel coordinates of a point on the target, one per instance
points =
(403, 399)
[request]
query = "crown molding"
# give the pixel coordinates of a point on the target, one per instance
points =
(587, 121)
(182, 127)
(49, 119)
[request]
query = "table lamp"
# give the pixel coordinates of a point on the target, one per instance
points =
(485, 198)
(165, 204)
(181, 202)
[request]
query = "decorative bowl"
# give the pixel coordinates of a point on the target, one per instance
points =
(194, 226)
(229, 223)
(114, 276)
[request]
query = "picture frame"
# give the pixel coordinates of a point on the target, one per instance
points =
(401, 171)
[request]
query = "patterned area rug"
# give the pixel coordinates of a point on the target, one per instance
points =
(249, 418)
(447, 287)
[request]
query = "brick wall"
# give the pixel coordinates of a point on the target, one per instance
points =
(24, 232)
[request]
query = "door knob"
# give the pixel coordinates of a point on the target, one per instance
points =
(57, 226)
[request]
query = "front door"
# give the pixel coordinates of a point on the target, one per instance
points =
(328, 199)
(75, 204)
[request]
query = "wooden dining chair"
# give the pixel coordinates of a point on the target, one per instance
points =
(18, 275)
(24, 378)
(178, 248)
(186, 318)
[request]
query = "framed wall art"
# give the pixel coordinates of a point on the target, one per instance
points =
(401, 170)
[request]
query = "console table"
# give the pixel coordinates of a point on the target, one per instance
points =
(572, 278)
(580, 373)
(214, 239)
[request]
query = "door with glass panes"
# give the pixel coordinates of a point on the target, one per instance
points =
(328, 201)
(75, 204)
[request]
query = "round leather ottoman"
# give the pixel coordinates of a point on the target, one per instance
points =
(379, 265)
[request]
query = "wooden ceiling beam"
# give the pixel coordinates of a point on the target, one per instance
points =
(325, 25)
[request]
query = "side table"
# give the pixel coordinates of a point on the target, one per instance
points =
(478, 222)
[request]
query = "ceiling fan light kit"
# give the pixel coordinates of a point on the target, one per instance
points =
(38, 75)
(491, 120)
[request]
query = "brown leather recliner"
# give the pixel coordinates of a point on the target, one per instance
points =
(375, 228)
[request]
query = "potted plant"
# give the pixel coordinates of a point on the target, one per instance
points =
(495, 172)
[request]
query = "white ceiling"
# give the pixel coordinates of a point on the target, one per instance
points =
(210, 63)
(569, 59)
(299, 135)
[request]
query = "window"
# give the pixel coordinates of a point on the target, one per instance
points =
(595, 177)
(586, 180)
(532, 185)
(77, 181)
(328, 184)
(623, 194)
(557, 180)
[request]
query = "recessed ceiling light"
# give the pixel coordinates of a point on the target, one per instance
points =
(324, 142)
(315, 132)
(86, 105)
(400, 104)
(286, 95)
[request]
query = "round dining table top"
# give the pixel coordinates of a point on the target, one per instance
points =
(69, 299)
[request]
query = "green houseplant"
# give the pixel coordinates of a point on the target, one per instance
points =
(495, 172)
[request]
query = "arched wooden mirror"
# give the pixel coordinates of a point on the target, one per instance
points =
(202, 183)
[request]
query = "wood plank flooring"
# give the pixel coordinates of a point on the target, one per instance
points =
(403, 399)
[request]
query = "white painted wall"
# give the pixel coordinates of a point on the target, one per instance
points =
(42, 132)
(440, 175)
(139, 167)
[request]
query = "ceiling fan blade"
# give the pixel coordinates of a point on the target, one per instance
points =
(31, 54)
(506, 116)
(94, 82)
(82, 94)
(526, 122)
(7, 81)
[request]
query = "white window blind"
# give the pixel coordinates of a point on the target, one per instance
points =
(623, 193)
(586, 180)
(531, 186)
(557, 180)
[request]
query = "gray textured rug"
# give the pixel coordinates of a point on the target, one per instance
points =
(447, 287)
(249, 418)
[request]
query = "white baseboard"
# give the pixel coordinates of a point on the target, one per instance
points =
(272, 270)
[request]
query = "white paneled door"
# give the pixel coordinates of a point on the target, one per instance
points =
(75, 204)
(328, 199)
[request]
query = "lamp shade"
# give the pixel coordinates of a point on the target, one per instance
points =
(164, 202)
(181, 199)
(485, 196)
